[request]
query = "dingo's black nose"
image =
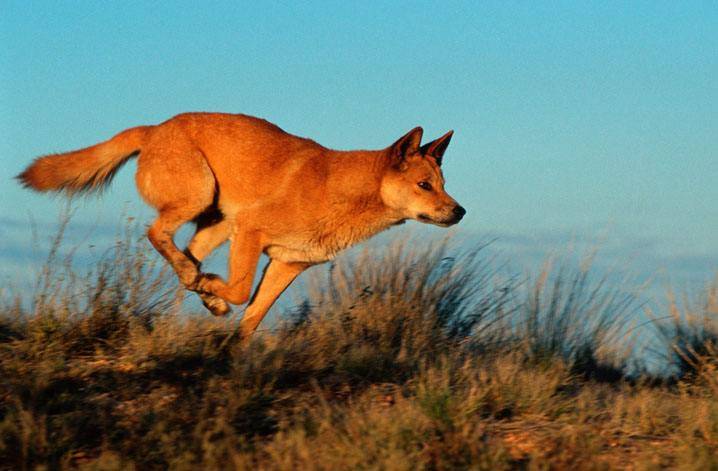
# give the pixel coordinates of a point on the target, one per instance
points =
(459, 211)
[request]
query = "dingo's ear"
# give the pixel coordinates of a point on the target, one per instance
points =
(436, 149)
(407, 145)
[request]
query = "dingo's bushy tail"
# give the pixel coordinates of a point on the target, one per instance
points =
(85, 170)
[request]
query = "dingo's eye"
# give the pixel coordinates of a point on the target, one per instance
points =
(425, 186)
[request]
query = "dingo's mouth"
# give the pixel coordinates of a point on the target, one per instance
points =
(425, 218)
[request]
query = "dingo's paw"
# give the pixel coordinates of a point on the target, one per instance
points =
(216, 305)
(205, 283)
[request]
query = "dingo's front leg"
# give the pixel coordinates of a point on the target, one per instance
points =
(244, 254)
(277, 276)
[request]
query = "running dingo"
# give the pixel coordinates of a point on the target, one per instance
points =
(244, 179)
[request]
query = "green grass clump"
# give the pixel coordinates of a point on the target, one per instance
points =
(402, 359)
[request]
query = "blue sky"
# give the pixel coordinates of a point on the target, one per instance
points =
(573, 120)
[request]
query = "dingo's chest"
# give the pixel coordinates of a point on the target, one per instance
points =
(307, 254)
(322, 246)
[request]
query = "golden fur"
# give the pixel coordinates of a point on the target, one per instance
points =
(245, 179)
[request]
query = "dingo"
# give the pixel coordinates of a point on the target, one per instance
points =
(244, 179)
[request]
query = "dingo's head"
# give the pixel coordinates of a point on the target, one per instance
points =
(413, 185)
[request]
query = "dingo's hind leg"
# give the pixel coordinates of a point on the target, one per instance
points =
(212, 230)
(179, 183)
(244, 253)
(161, 235)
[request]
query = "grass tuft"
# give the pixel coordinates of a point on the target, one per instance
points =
(402, 358)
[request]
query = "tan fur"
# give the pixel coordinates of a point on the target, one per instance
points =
(245, 179)
(86, 169)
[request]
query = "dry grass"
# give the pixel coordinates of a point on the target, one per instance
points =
(399, 360)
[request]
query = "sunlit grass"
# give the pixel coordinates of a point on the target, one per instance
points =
(416, 356)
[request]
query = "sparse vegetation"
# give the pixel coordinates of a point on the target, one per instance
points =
(429, 358)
